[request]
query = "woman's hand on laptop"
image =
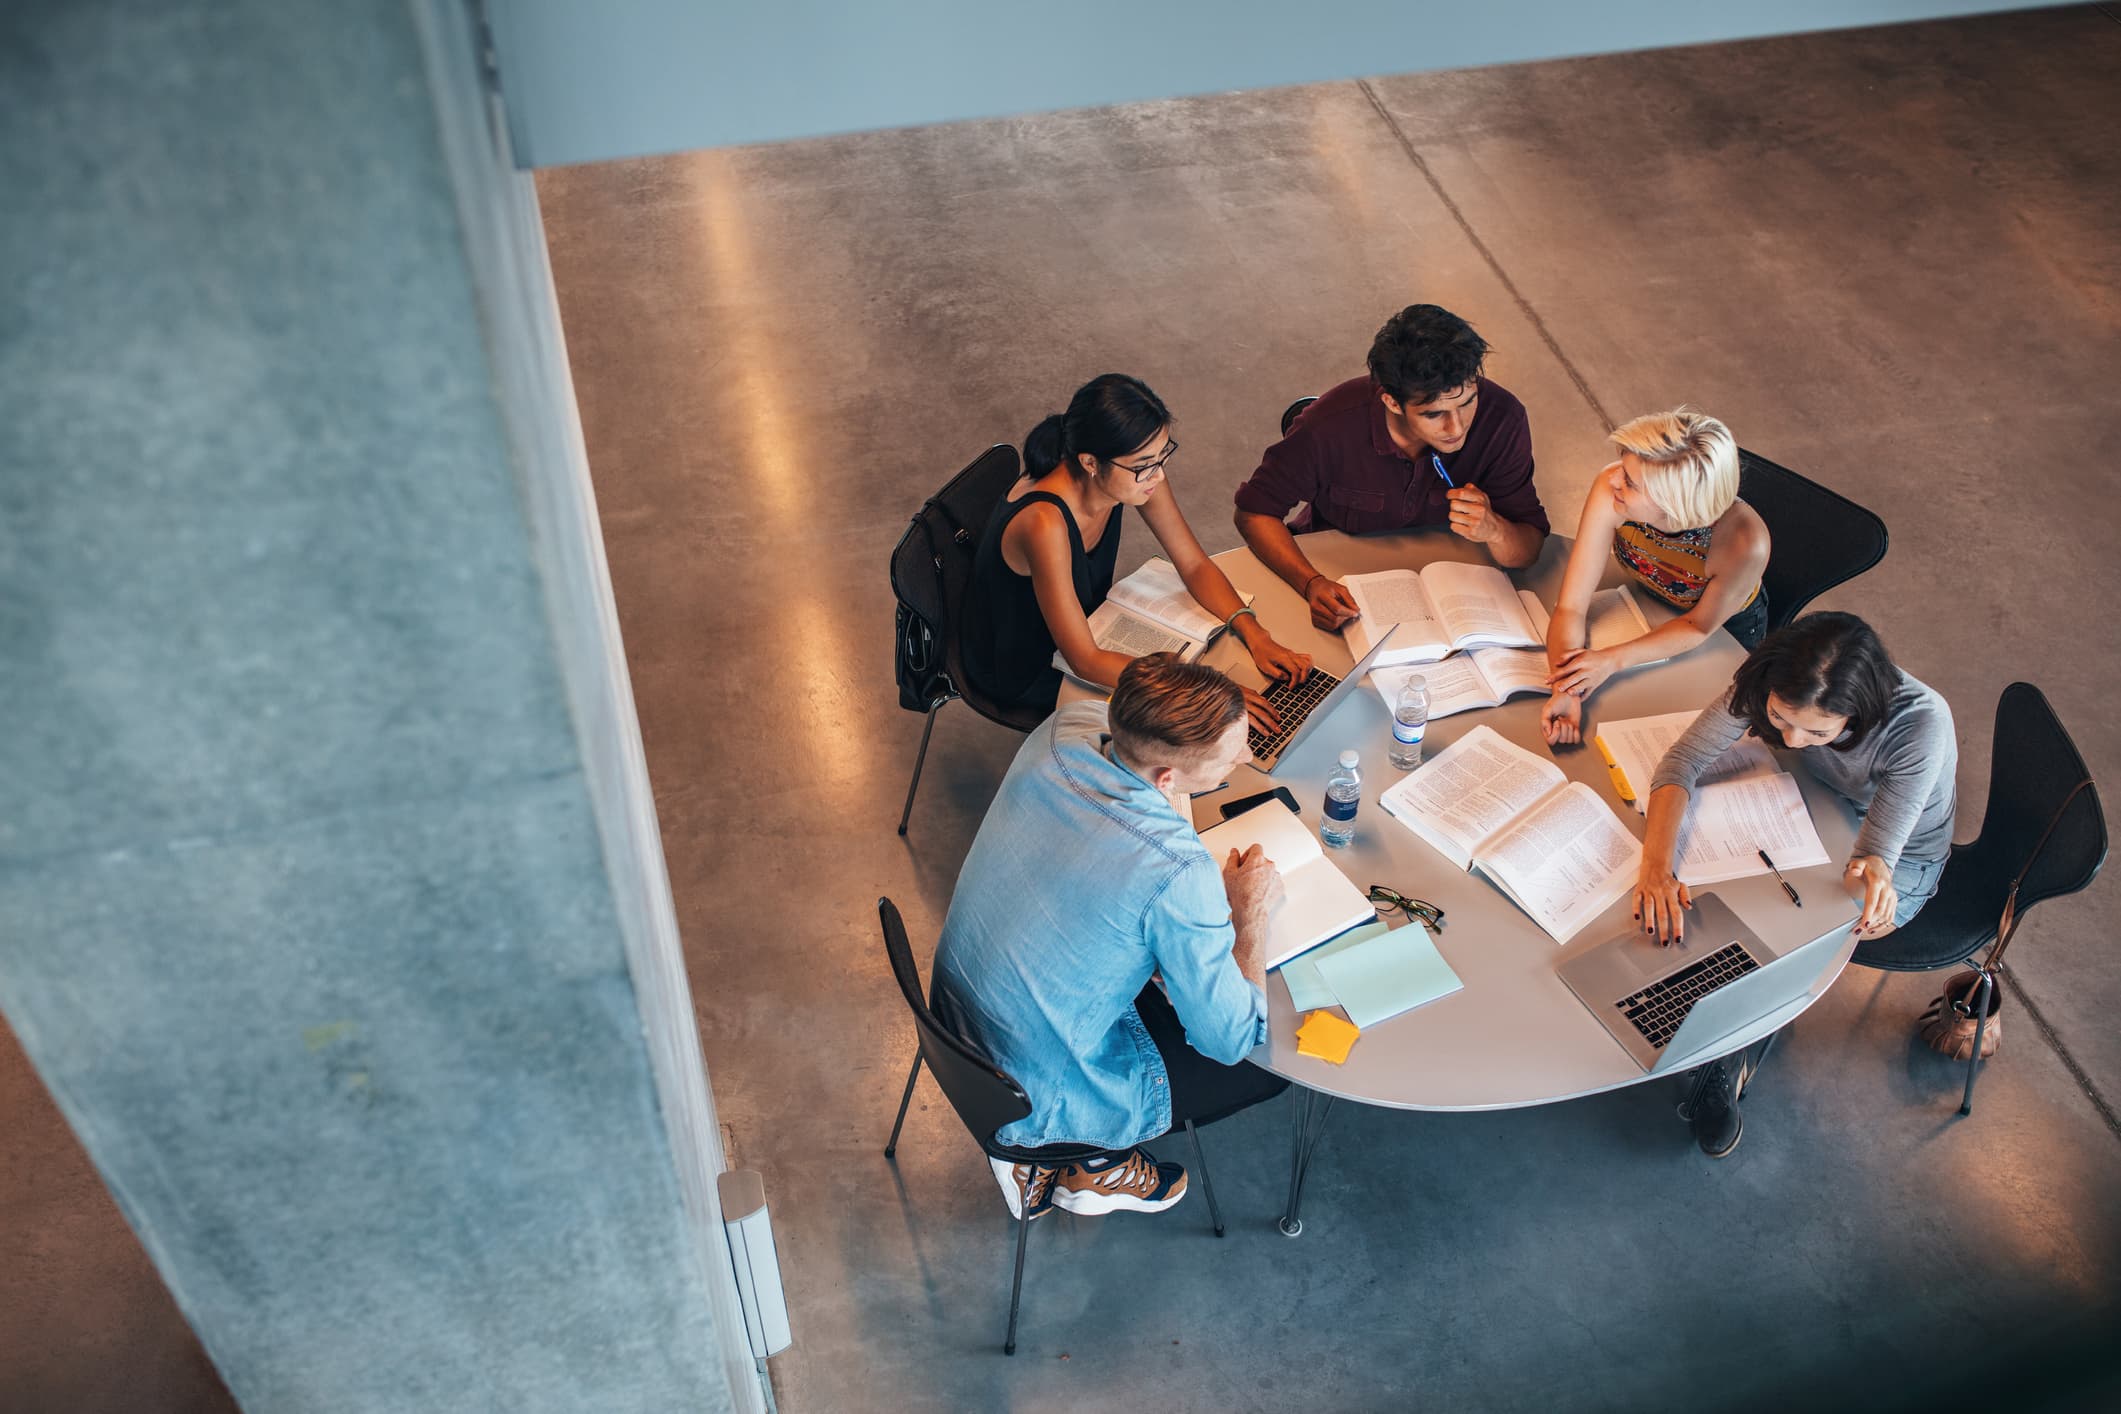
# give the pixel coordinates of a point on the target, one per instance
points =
(1660, 903)
(1275, 662)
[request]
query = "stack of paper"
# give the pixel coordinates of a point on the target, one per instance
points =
(1372, 973)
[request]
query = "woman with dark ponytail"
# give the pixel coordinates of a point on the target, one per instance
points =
(1046, 560)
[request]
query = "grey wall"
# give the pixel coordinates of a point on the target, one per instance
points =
(326, 910)
(622, 78)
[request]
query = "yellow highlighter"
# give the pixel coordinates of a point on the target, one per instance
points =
(1612, 768)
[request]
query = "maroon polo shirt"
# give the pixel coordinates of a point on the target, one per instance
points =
(1340, 458)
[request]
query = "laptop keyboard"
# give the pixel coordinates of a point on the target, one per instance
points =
(1292, 702)
(1658, 1009)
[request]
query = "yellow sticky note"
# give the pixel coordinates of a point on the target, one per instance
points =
(1326, 1036)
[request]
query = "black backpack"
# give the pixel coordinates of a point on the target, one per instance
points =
(930, 571)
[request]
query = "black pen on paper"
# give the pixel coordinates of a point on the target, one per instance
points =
(1779, 879)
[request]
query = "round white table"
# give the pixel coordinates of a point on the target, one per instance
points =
(1515, 1035)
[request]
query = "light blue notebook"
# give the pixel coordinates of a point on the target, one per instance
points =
(1383, 977)
(1307, 990)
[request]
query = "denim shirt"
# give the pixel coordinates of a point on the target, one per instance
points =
(1082, 881)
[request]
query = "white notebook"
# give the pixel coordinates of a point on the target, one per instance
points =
(1318, 902)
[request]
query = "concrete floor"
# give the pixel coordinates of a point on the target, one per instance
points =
(1891, 259)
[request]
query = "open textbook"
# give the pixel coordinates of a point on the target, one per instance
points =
(1485, 677)
(1549, 843)
(1488, 677)
(1317, 903)
(1439, 609)
(1151, 611)
(1743, 804)
(1612, 616)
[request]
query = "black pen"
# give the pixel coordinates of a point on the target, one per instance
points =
(1779, 879)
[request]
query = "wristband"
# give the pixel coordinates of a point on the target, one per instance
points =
(1305, 592)
(1231, 622)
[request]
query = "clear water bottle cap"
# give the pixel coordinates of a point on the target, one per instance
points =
(1419, 684)
(1349, 758)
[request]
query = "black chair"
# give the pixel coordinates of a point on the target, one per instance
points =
(985, 1098)
(931, 569)
(1821, 538)
(2043, 836)
(1288, 418)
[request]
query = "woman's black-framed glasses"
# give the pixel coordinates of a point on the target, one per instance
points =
(1386, 899)
(1143, 473)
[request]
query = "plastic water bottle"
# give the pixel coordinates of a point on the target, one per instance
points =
(1343, 794)
(1410, 720)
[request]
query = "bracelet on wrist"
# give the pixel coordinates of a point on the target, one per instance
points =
(1231, 622)
(1305, 592)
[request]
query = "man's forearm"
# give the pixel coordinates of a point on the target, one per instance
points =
(1249, 949)
(1517, 545)
(1270, 540)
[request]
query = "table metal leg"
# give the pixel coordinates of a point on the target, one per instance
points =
(1310, 1114)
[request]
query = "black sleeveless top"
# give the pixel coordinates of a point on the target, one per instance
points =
(1008, 648)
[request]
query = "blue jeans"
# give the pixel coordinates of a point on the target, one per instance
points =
(1915, 880)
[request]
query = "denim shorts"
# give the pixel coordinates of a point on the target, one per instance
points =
(1915, 880)
(1749, 625)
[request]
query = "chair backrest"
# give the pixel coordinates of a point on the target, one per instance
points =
(985, 1098)
(2033, 769)
(931, 568)
(1289, 414)
(1821, 538)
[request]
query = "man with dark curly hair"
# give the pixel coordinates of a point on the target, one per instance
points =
(1422, 439)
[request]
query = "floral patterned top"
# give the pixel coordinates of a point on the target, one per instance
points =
(1672, 564)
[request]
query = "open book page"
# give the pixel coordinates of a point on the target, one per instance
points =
(1613, 615)
(1510, 671)
(1473, 788)
(1454, 684)
(1565, 861)
(1155, 592)
(1728, 824)
(1485, 677)
(1478, 605)
(1395, 597)
(1118, 631)
(1634, 747)
(1318, 902)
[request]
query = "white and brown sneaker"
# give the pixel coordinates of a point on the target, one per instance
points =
(1026, 1188)
(1135, 1183)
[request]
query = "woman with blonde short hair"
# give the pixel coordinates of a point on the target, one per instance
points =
(1669, 509)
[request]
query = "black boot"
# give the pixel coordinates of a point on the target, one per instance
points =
(1711, 1108)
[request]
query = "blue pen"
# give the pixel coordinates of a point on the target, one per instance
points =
(1437, 462)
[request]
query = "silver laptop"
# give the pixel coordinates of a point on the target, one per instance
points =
(1671, 1008)
(1302, 705)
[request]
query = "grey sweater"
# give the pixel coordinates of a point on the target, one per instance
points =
(1903, 777)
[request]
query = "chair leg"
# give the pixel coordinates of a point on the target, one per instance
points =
(919, 760)
(891, 1148)
(1016, 1290)
(1973, 1062)
(1200, 1166)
